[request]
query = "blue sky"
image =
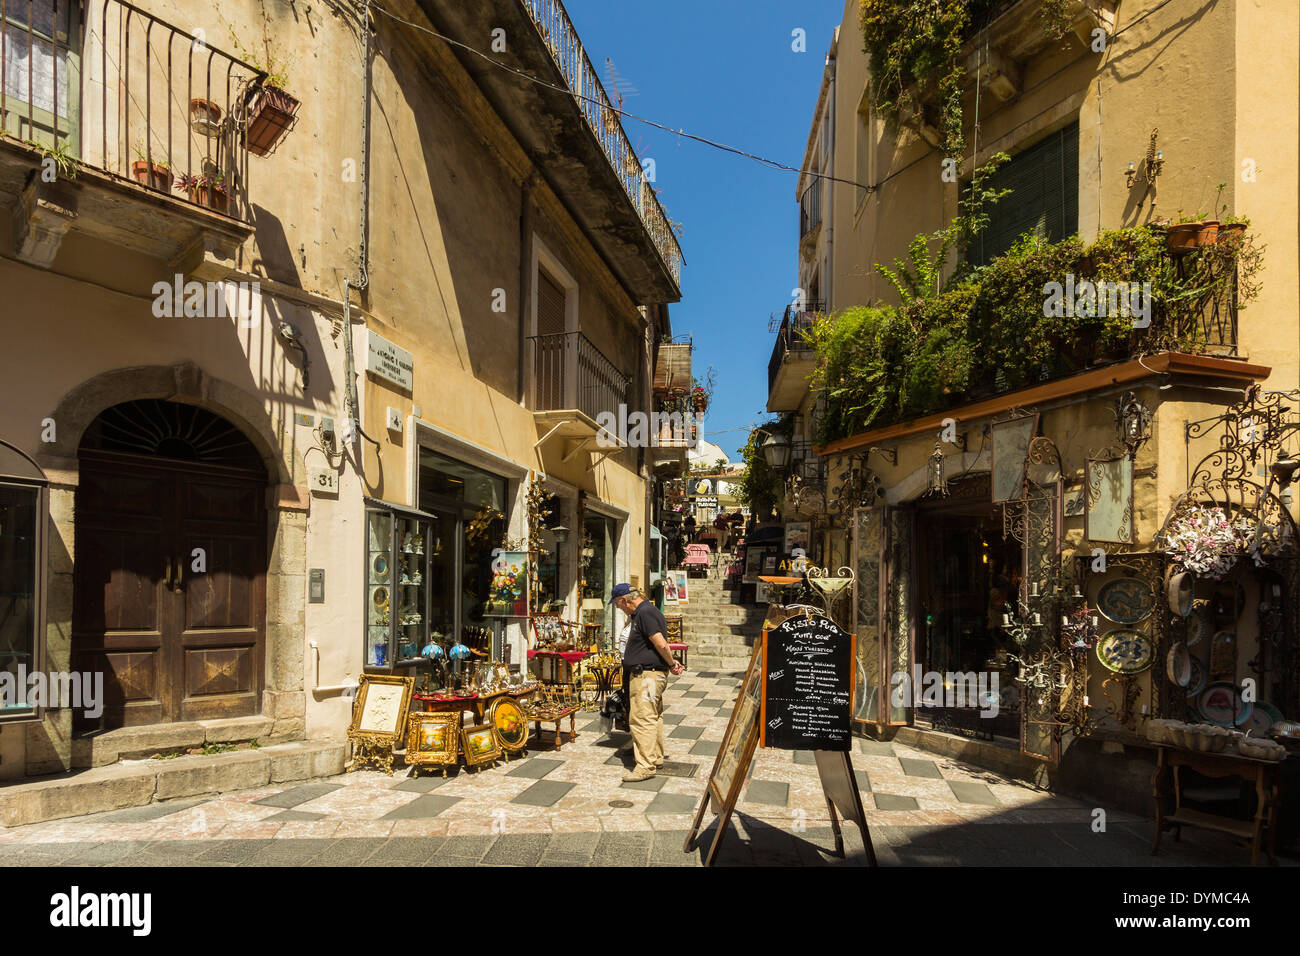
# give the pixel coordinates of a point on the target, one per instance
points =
(722, 69)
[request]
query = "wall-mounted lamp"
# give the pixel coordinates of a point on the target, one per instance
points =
(938, 481)
(776, 451)
(561, 533)
(1134, 421)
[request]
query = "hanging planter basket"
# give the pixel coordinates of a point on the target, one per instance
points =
(610, 119)
(273, 114)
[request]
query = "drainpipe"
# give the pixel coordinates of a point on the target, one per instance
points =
(829, 283)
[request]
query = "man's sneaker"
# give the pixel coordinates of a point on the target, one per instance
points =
(636, 776)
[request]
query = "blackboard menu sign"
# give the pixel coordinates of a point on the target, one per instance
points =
(807, 685)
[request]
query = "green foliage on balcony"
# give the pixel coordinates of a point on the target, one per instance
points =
(996, 329)
(916, 64)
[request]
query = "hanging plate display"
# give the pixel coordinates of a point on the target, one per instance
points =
(1126, 651)
(1221, 704)
(1178, 589)
(1178, 665)
(1259, 722)
(1197, 682)
(1126, 600)
(1198, 626)
(379, 567)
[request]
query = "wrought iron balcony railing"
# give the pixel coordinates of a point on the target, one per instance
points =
(566, 49)
(126, 83)
(790, 337)
(570, 372)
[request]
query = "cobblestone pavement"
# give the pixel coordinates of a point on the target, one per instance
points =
(569, 807)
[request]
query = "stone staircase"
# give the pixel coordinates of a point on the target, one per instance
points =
(721, 635)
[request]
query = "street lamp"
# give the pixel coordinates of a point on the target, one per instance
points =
(776, 452)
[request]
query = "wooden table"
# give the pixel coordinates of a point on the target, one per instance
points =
(479, 704)
(1266, 775)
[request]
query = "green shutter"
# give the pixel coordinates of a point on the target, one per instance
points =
(1044, 199)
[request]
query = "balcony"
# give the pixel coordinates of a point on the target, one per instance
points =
(79, 99)
(570, 131)
(572, 384)
(792, 359)
(672, 370)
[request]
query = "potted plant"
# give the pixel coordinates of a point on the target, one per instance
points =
(151, 172)
(207, 189)
(699, 399)
(205, 116)
(1189, 235)
(272, 109)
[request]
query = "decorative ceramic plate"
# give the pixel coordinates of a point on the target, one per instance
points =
(379, 567)
(1258, 724)
(1125, 600)
(1178, 665)
(1273, 713)
(1198, 626)
(1221, 704)
(1126, 651)
(381, 597)
(1197, 682)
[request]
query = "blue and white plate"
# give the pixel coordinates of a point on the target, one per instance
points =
(1126, 651)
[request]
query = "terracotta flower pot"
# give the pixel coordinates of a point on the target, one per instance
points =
(157, 177)
(1190, 236)
(213, 197)
(1232, 228)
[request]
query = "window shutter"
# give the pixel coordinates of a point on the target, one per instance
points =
(1044, 180)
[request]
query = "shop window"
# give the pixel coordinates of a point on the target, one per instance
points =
(23, 509)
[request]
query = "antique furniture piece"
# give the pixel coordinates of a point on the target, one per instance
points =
(433, 740)
(1264, 774)
(553, 710)
(446, 704)
(676, 641)
(479, 745)
(397, 572)
(557, 699)
(378, 719)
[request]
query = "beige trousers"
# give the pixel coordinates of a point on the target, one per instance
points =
(645, 703)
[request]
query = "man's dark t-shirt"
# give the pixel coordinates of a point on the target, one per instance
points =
(646, 620)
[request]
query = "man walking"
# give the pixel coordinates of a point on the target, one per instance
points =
(647, 662)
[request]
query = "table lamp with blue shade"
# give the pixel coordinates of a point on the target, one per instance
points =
(433, 652)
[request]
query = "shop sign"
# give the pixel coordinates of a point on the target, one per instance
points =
(389, 362)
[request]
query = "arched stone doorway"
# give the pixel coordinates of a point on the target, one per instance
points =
(169, 589)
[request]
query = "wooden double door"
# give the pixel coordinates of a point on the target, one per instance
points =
(169, 588)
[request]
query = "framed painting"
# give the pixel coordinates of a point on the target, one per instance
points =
(510, 725)
(797, 534)
(433, 740)
(1011, 440)
(1109, 502)
(380, 709)
(753, 564)
(479, 744)
(681, 584)
(508, 592)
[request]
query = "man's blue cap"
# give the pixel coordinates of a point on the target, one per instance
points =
(620, 590)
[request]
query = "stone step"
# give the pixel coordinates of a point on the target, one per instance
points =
(133, 743)
(135, 783)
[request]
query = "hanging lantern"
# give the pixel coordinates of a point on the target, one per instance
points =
(938, 481)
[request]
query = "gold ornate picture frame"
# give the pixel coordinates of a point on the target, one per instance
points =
(379, 712)
(509, 722)
(433, 740)
(480, 745)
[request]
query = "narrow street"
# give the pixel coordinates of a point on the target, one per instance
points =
(569, 808)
